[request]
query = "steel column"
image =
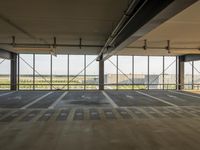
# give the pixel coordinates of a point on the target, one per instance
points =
(84, 72)
(33, 71)
(68, 71)
(181, 73)
(18, 71)
(101, 75)
(148, 73)
(117, 72)
(163, 73)
(13, 72)
(192, 75)
(133, 75)
(51, 71)
(176, 72)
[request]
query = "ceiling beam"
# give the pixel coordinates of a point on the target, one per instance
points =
(5, 54)
(150, 15)
(191, 58)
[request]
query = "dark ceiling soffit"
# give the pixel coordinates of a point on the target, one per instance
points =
(191, 58)
(151, 15)
(132, 8)
(5, 54)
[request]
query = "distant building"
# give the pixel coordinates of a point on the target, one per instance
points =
(153, 79)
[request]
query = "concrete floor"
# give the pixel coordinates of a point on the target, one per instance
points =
(142, 120)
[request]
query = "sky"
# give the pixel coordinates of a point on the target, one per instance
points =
(76, 64)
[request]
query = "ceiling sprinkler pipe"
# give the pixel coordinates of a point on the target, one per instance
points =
(120, 25)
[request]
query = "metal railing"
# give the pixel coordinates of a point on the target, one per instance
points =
(95, 86)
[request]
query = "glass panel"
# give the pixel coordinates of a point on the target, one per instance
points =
(188, 75)
(76, 66)
(110, 70)
(170, 73)
(42, 74)
(197, 75)
(125, 72)
(92, 72)
(155, 72)
(26, 72)
(4, 74)
(140, 72)
(59, 72)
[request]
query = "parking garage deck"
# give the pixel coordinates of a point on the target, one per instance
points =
(107, 99)
(99, 120)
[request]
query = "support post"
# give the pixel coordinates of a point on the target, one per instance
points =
(192, 75)
(13, 72)
(68, 72)
(51, 65)
(133, 73)
(101, 75)
(180, 72)
(176, 72)
(148, 73)
(85, 72)
(33, 71)
(117, 73)
(163, 74)
(18, 71)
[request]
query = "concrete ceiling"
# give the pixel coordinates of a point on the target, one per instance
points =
(183, 31)
(38, 21)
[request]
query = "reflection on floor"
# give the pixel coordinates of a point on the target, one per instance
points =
(99, 120)
(193, 91)
(65, 99)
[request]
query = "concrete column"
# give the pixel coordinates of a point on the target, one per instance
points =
(192, 75)
(101, 75)
(13, 72)
(148, 74)
(33, 71)
(51, 65)
(180, 72)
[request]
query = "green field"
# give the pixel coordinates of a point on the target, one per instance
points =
(44, 83)
(61, 83)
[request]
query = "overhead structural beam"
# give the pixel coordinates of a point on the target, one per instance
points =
(145, 15)
(38, 45)
(5, 54)
(53, 48)
(191, 58)
(162, 48)
(126, 16)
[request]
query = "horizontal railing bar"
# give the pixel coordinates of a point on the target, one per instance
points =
(104, 84)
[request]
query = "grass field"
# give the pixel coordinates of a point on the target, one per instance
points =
(58, 82)
(61, 83)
